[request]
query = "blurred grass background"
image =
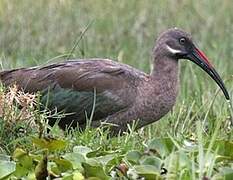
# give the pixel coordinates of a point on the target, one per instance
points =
(34, 32)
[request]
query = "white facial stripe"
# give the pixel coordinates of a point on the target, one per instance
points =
(173, 51)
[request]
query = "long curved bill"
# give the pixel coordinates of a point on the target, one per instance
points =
(199, 58)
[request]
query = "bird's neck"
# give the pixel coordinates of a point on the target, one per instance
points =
(165, 72)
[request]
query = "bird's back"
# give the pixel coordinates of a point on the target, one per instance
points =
(75, 86)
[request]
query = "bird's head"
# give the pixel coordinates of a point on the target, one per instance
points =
(177, 44)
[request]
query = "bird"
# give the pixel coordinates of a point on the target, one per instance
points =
(113, 92)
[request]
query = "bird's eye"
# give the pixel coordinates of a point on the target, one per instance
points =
(182, 40)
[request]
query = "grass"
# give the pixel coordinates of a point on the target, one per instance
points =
(41, 32)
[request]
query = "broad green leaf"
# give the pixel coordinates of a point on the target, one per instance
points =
(53, 168)
(31, 176)
(24, 163)
(82, 150)
(77, 175)
(67, 176)
(133, 156)
(4, 157)
(18, 153)
(225, 173)
(109, 161)
(21, 170)
(163, 146)
(94, 171)
(104, 160)
(76, 159)
(6, 168)
(177, 161)
(148, 171)
(93, 162)
(99, 152)
(50, 144)
(93, 178)
(184, 160)
(95, 153)
(151, 160)
(62, 164)
(225, 148)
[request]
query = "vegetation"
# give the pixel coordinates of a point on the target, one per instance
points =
(194, 141)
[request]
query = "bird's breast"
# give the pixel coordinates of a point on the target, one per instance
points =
(154, 103)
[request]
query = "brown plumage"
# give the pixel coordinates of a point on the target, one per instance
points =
(123, 93)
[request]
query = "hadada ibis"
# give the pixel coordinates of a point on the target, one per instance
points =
(121, 93)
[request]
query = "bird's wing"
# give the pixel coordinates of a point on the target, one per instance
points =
(72, 85)
(80, 75)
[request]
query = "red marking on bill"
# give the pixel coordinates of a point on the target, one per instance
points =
(204, 57)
